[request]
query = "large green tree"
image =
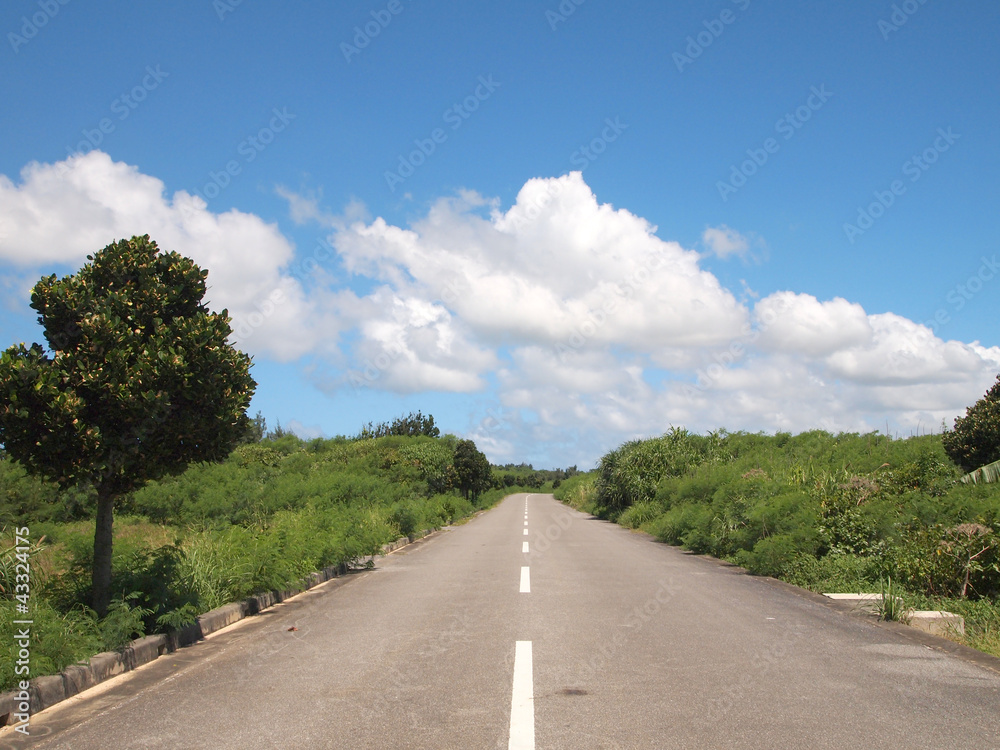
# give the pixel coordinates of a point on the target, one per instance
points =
(975, 441)
(473, 469)
(137, 381)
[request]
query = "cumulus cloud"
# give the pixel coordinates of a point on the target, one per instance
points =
(555, 268)
(790, 322)
(901, 352)
(595, 322)
(575, 319)
(59, 213)
(409, 345)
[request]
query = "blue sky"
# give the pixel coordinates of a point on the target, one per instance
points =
(553, 226)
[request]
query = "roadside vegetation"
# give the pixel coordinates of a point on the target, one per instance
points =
(832, 513)
(277, 509)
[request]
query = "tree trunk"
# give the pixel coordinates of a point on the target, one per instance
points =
(103, 539)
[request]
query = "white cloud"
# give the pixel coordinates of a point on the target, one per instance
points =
(790, 322)
(585, 300)
(554, 269)
(723, 242)
(306, 208)
(903, 352)
(574, 317)
(409, 345)
(60, 213)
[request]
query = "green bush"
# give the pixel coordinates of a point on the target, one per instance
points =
(975, 440)
(58, 639)
(820, 509)
(833, 573)
(639, 513)
(578, 491)
(770, 556)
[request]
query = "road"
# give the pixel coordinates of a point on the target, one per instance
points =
(589, 636)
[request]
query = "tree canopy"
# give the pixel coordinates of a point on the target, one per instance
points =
(473, 469)
(138, 380)
(975, 440)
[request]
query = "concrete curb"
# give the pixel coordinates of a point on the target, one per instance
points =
(45, 692)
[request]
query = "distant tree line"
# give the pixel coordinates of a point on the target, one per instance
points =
(525, 475)
(412, 425)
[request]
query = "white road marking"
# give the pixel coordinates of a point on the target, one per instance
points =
(522, 701)
(526, 532)
(525, 523)
(525, 580)
(524, 548)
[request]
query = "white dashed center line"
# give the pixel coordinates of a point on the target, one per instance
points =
(525, 580)
(522, 702)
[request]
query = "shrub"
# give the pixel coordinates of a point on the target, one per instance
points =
(58, 639)
(578, 491)
(817, 507)
(975, 440)
(639, 513)
(407, 517)
(833, 573)
(770, 556)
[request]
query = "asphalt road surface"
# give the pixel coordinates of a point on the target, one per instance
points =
(535, 626)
